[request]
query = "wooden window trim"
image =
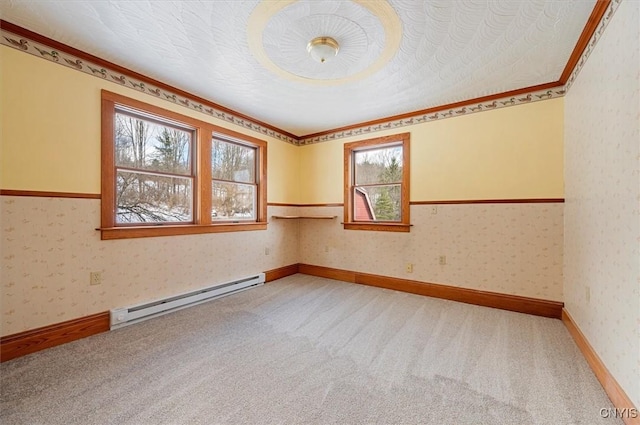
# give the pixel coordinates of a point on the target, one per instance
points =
(349, 148)
(202, 222)
(176, 230)
(261, 176)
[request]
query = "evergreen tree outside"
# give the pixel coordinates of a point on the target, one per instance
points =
(383, 208)
(387, 200)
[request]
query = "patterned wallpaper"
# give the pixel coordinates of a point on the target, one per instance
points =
(602, 210)
(50, 245)
(505, 248)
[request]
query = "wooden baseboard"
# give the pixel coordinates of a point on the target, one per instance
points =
(616, 394)
(328, 272)
(516, 303)
(281, 272)
(28, 342)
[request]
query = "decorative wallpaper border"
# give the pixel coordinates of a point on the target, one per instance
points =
(606, 18)
(27, 45)
(439, 114)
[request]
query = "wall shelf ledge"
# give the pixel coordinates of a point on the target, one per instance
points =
(314, 217)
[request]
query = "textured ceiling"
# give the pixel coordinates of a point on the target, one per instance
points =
(396, 56)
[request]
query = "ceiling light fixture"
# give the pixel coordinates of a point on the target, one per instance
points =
(323, 49)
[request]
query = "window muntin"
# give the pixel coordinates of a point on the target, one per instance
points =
(376, 176)
(154, 171)
(233, 180)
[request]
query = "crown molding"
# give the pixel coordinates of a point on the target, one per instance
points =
(594, 19)
(598, 21)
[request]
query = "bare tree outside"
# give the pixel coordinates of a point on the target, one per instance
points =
(234, 184)
(378, 173)
(153, 171)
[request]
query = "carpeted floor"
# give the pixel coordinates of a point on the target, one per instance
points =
(312, 350)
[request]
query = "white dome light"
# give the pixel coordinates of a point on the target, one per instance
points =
(323, 49)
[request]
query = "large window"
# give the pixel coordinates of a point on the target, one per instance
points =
(154, 170)
(167, 174)
(377, 184)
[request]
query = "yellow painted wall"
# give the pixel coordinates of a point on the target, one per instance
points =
(51, 142)
(283, 172)
(509, 153)
(50, 126)
(322, 173)
(51, 130)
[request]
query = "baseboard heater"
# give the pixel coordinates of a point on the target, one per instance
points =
(129, 315)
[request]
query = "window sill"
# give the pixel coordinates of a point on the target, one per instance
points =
(379, 227)
(129, 232)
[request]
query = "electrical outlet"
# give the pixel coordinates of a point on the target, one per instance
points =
(442, 260)
(326, 248)
(409, 268)
(434, 209)
(267, 251)
(95, 278)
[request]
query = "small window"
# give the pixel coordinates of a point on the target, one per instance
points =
(234, 181)
(377, 193)
(168, 174)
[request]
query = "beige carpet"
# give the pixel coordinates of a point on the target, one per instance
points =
(312, 350)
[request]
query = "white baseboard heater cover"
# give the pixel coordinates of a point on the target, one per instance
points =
(129, 315)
